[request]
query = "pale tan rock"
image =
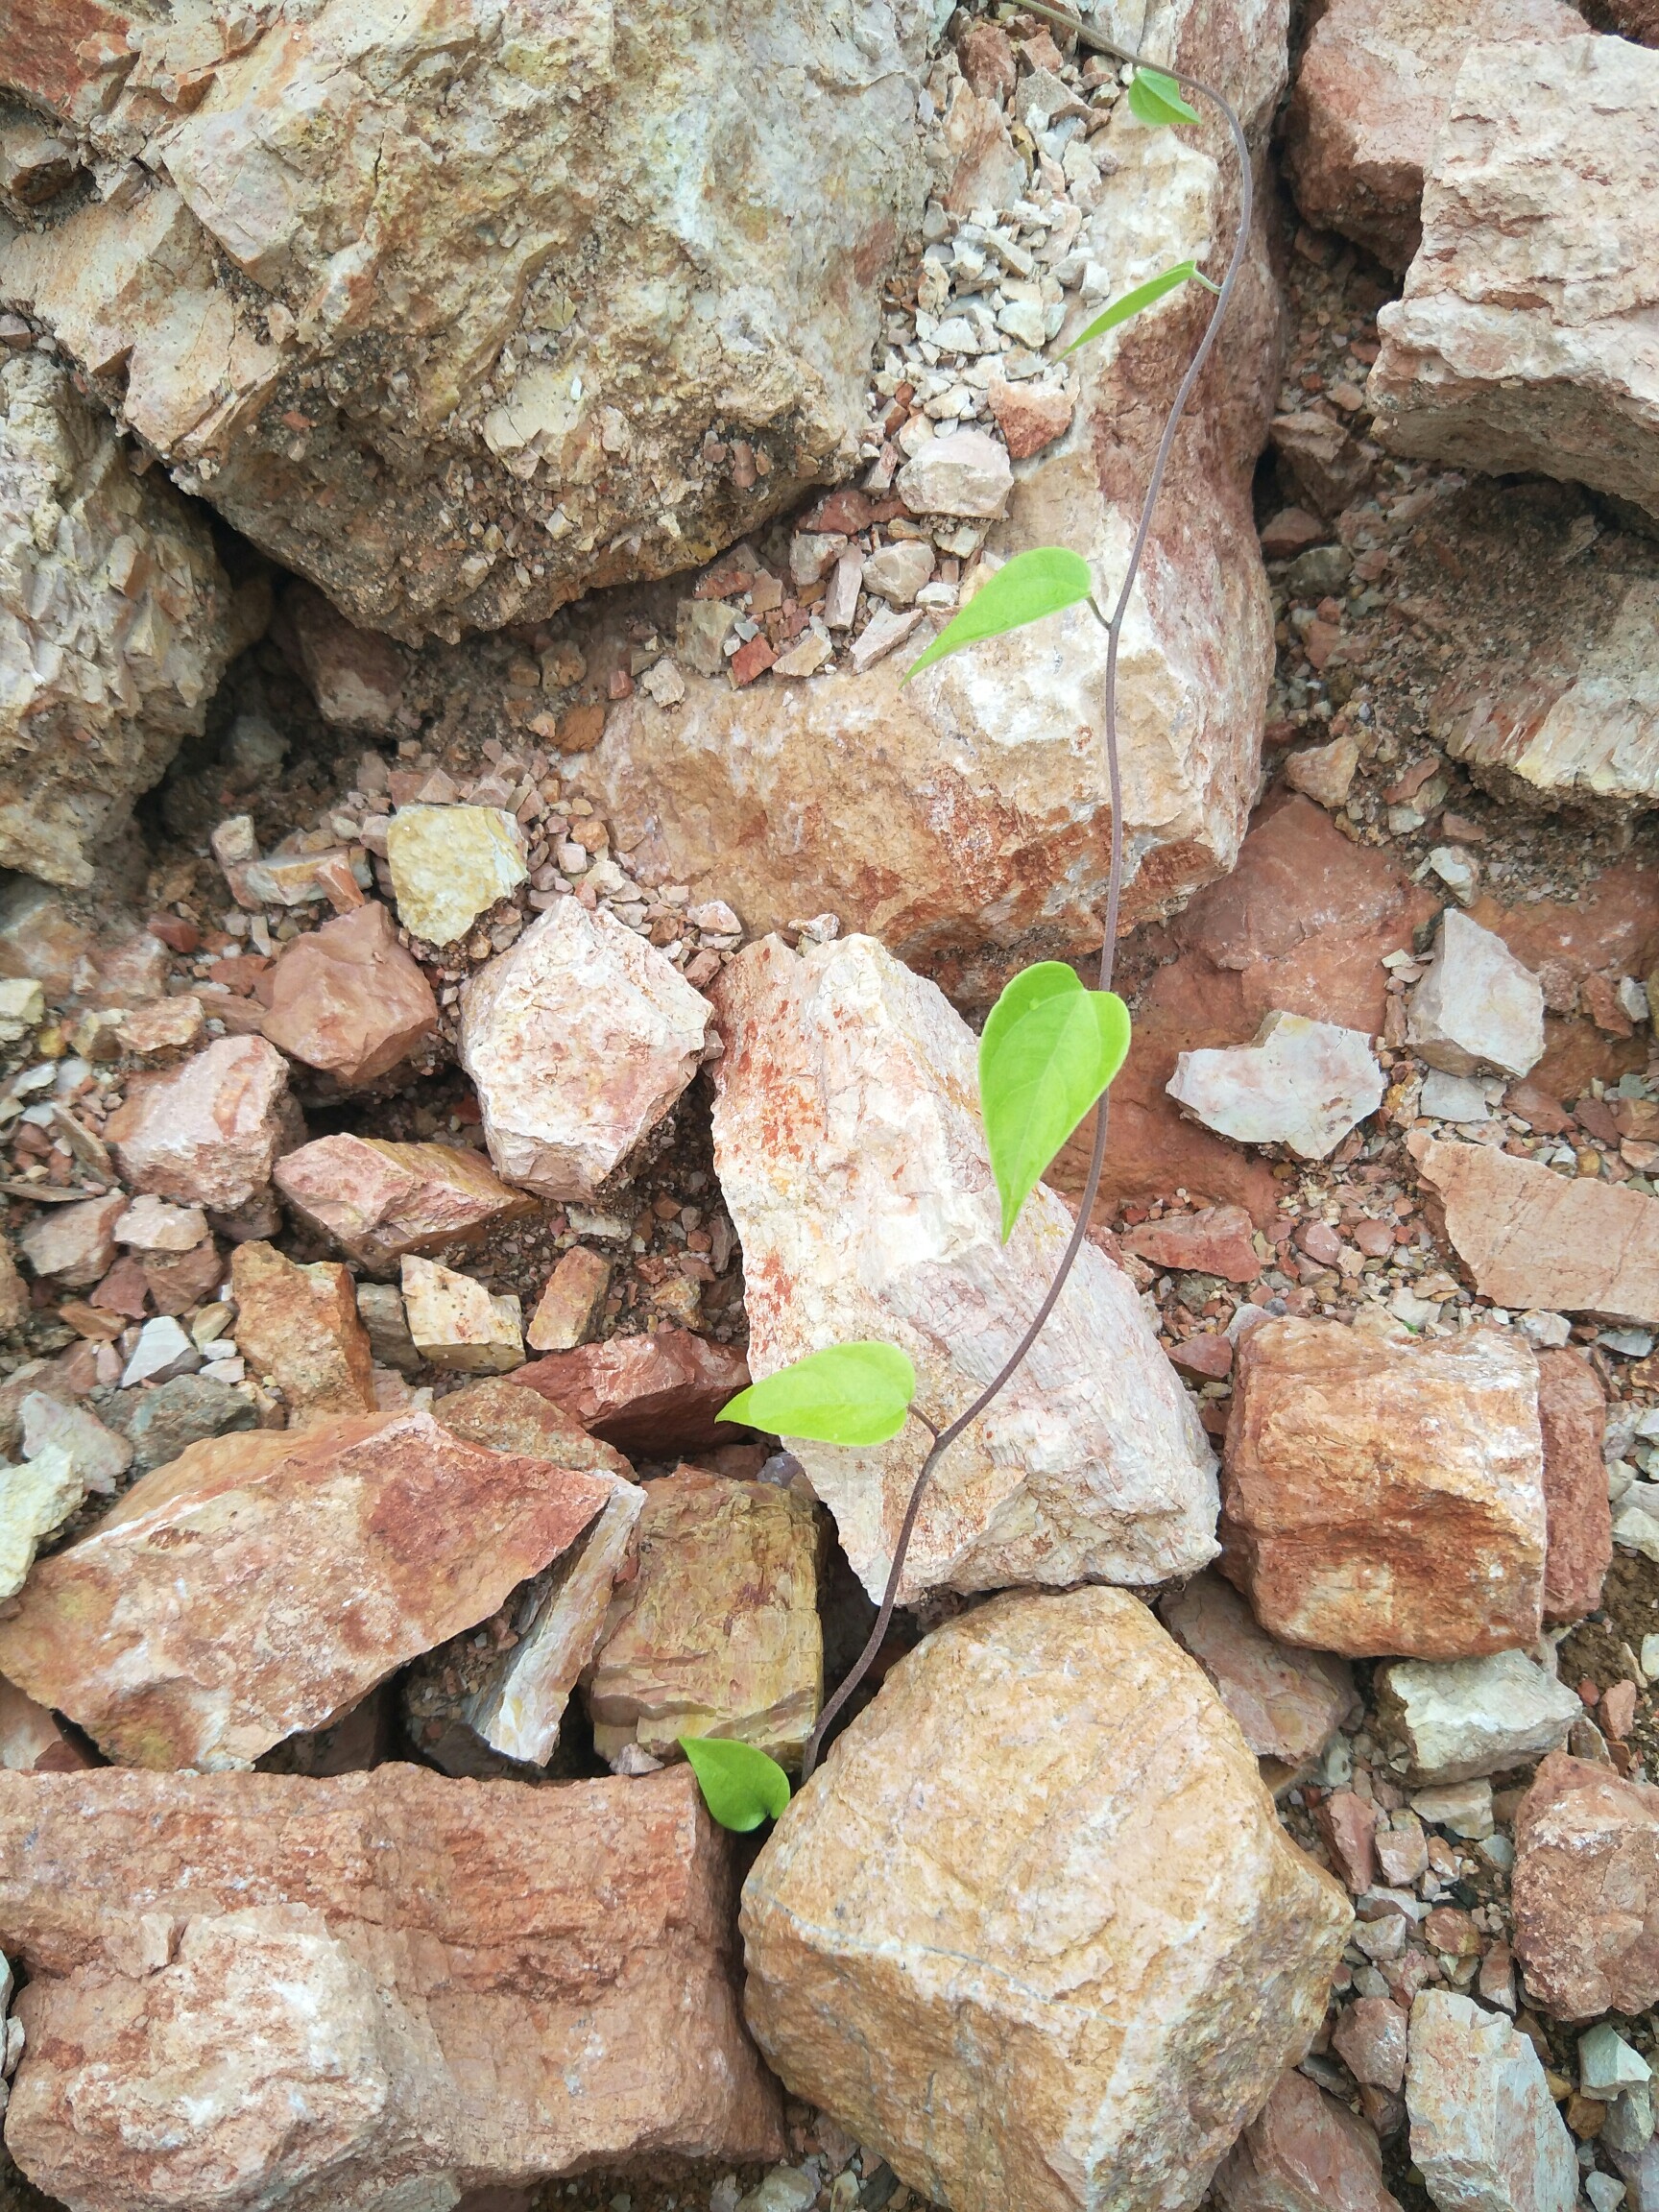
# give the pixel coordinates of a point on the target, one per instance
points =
(654, 1395)
(457, 1323)
(579, 1039)
(1530, 1237)
(1053, 1955)
(14, 1301)
(356, 677)
(1381, 1497)
(165, 1029)
(1476, 1007)
(34, 1498)
(260, 1584)
(1288, 1703)
(365, 1994)
(568, 1310)
(1303, 2153)
(31, 1740)
(348, 998)
(717, 1634)
(378, 1201)
(209, 1131)
(1520, 341)
(74, 1244)
(850, 1151)
(298, 1328)
(450, 864)
(115, 625)
(1325, 773)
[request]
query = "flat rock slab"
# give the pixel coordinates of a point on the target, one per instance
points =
(262, 1583)
(652, 1396)
(1477, 1007)
(267, 1990)
(1586, 1890)
(378, 1200)
(1530, 1238)
(1032, 1932)
(1299, 1083)
(1381, 1497)
(850, 1151)
(1485, 2134)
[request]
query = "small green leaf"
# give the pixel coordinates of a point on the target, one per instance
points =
(846, 1394)
(1154, 98)
(741, 1786)
(1048, 1050)
(1132, 302)
(1021, 591)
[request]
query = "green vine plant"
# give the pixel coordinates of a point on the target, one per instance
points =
(1051, 1046)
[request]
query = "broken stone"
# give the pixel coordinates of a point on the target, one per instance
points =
(652, 1396)
(166, 1421)
(717, 1634)
(1476, 1007)
(380, 1310)
(96, 1456)
(378, 1201)
(579, 1039)
(965, 472)
(1472, 1716)
(348, 1000)
(1452, 1099)
(1029, 416)
(298, 1327)
(258, 1997)
(1325, 772)
(492, 1412)
(1608, 2065)
(899, 571)
(1216, 1241)
(569, 1309)
(151, 1224)
(450, 864)
(1585, 1889)
(261, 1584)
(31, 1740)
(34, 1498)
(1485, 2134)
(1087, 1720)
(1571, 1410)
(74, 1245)
(207, 1132)
(1303, 2153)
(847, 1102)
(1288, 1704)
(163, 1352)
(1370, 2040)
(457, 1323)
(1301, 1083)
(355, 677)
(1381, 1497)
(1465, 1808)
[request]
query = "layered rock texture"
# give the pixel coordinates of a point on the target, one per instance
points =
(1069, 1967)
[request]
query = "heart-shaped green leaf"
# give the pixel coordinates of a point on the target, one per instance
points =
(1021, 591)
(1132, 302)
(1048, 1050)
(741, 1786)
(846, 1394)
(1154, 98)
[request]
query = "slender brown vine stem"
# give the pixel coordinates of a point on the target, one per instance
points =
(1112, 625)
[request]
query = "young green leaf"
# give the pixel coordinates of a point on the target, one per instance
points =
(1155, 98)
(1132, 302)
(1021, 591)
(846, 1394)
(740, 1785)
(1048, 1050)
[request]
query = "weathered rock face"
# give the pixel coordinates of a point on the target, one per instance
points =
(208, 1132)
(848, 1147)
(1373, 89)
(579, 1039)
(973, 1980)
(413, 208)
(1520, 341)
(259, 1989)
(718, 1633)
(1586, 1890)
(348, 998)
(260, 1584)
(1572, 1412)
(1485, 2128)
(115, 625)
(1288, 1704)
(1303, 2153)
(654, 1395)
(1384, 1497)
(379, 1201)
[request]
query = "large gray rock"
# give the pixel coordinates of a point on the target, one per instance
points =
(1485, 2133)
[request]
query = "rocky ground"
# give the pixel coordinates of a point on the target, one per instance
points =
(492, 960)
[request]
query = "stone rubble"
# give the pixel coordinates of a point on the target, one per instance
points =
(209, 1132)
(457, 1323)
(655, 1396)
(348, 1000)
(380, 1202)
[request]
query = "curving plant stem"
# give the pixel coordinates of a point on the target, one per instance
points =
(1112, 625)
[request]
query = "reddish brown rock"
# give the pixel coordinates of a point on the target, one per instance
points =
(378, 1201)
(653, 1397)
(1029, 416)
(1381, 1497)
(356, 676)
(262, 1583)
(1304, 2153)
(1609, 927)
(491, 1412)
(209, 1131)
(298, 1327)
(1572, 1411)
(1370, 2040)
(348, 998)
(1216, 1241)
(1288, 1704)
(1585, 1889)
(31, 1740)
(379, 1988)
(176, 1280)
(74, 1244)
(1348, 1824)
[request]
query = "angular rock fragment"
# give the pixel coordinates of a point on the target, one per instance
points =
(1381, 1497)
(652, 1396)
(569, 1308)
(1476, 1007)
(579, 1039)
(450, 864)
(850, 1151)
(1370, 2040)
(370, 1991)
(166, 1421)
(150, 1224)
(1303, 2153)
(1464, 1718)
(378, 1201)
(34, 1498)
(1530, 1237)
(1573, 1410)
(965, 472)
(260, 1584)
(458, 1324)
(348, 1000)
(355, 676)
(717, 1634)
(31, 1740)
(298, 1328)
(209, 1131)
(1585, 1890)
(1485, 2134)
(96, 1455)
(380, 1310)
(163, 1030)
(492, 1412)
(75, 1246)
(1216, 1241)
(1519, 343)
(1303, 1084)
(1288, 1704)
(898, 1933)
